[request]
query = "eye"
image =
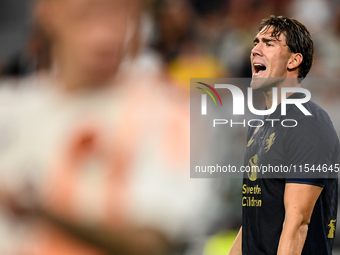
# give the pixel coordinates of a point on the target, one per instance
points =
(269, 44)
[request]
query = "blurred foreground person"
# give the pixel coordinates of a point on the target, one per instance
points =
(93, 163)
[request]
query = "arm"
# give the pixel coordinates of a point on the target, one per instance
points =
(125, 241)
(299, 201)
(236, 248)
(129, 240)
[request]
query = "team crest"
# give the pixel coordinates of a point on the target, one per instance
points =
(270, 142)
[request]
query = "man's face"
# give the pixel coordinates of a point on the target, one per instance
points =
(90, 34)
(269, 58)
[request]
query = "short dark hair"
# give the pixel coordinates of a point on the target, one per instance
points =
(298, 39)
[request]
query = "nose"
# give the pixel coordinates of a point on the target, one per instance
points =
(257, 50)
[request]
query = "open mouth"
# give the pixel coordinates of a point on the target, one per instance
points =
(259, 68)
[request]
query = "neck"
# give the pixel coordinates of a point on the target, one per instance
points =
(72, 78)
(268, 94)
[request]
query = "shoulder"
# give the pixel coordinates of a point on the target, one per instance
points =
(318, 114)
(314, 135)
(318, 122)
(313, 132)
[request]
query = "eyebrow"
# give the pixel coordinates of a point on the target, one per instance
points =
(265, 40)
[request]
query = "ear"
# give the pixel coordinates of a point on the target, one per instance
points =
(294, 61)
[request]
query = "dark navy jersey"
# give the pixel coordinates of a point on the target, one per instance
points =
(309, 153)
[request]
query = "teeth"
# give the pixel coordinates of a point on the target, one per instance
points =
(258, 65)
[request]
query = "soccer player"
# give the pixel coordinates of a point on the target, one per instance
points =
(293, 214)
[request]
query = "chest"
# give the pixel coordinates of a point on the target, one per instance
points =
(266, 146)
